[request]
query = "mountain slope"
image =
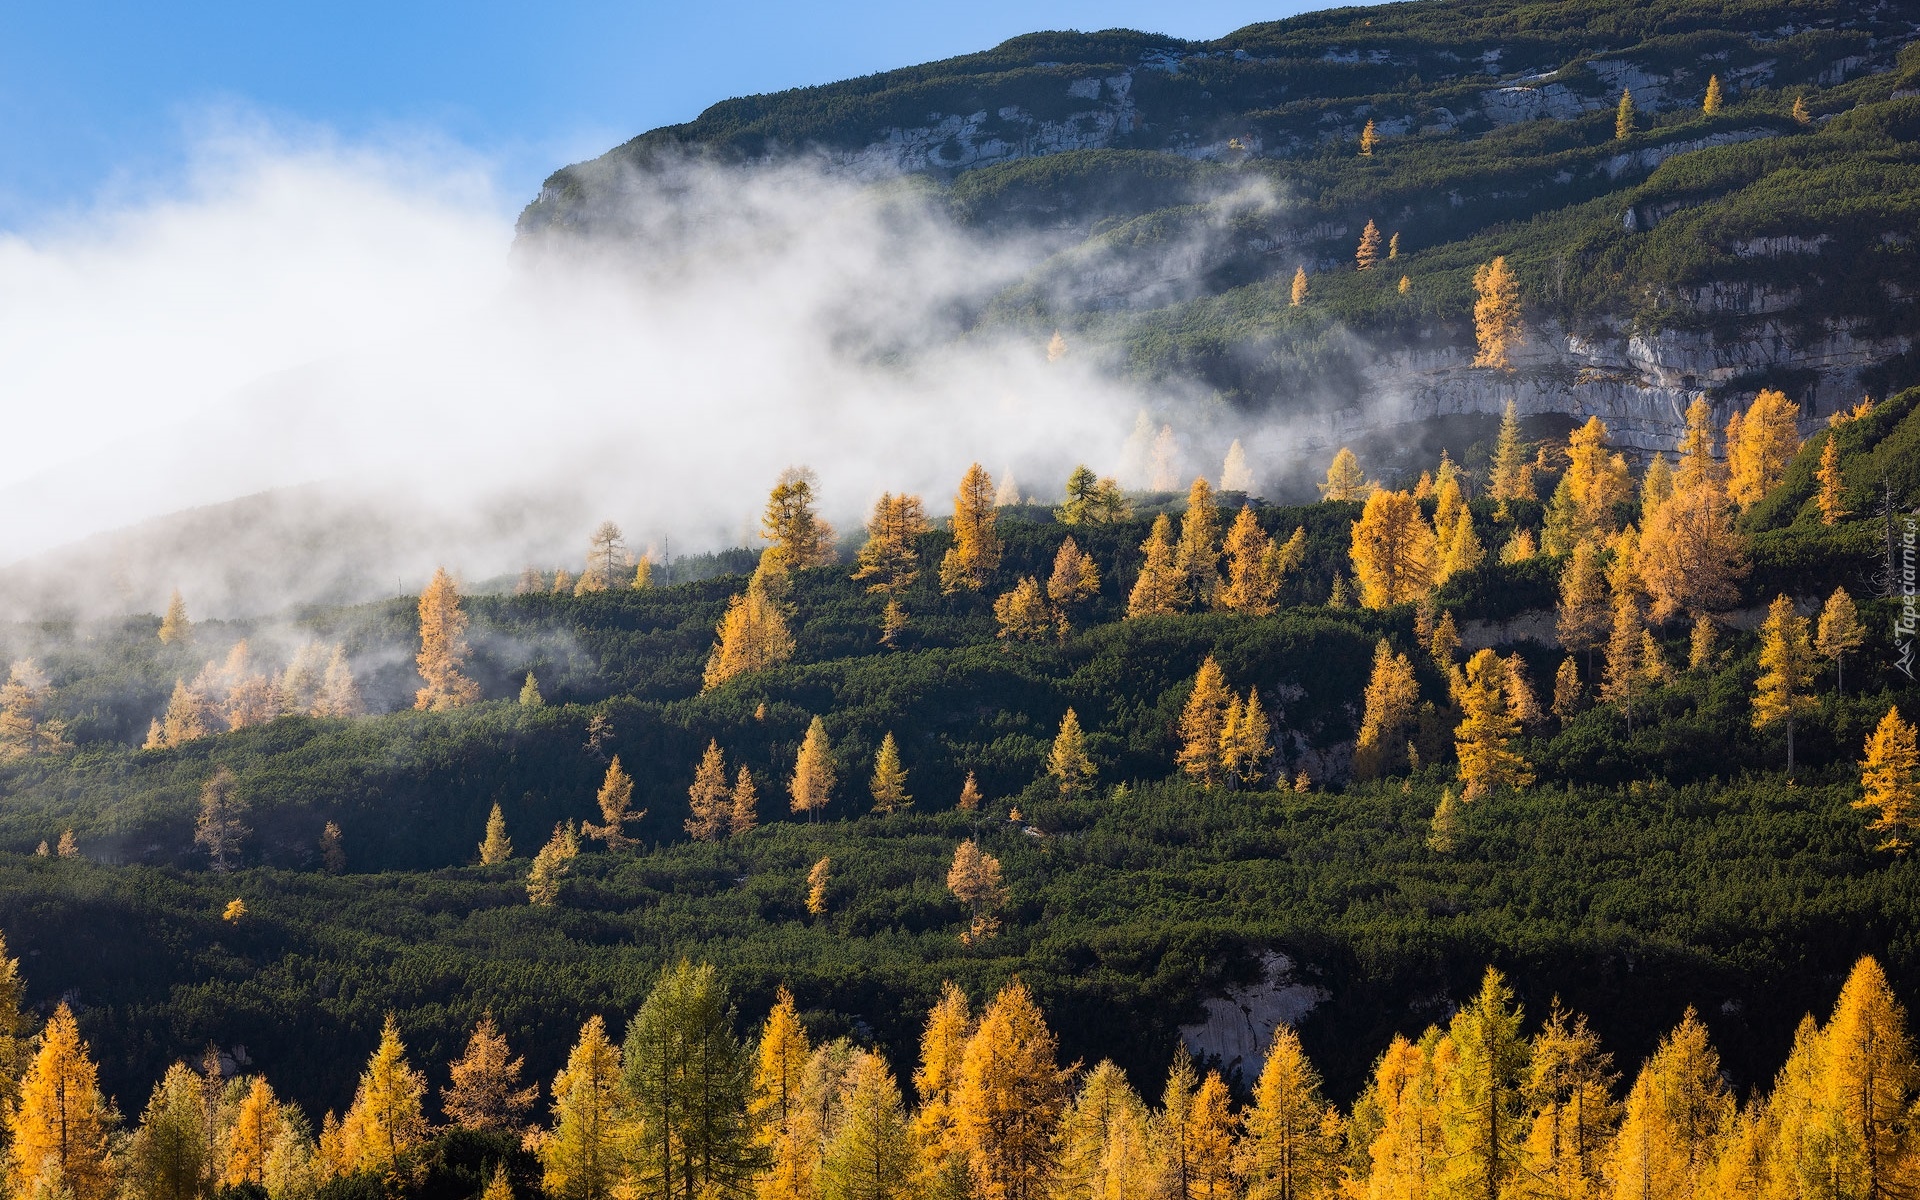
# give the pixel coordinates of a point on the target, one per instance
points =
(1168, 190)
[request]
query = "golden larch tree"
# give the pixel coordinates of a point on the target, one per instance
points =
(1404, 1157)
(1293, 1136)
(1235, 474)
(1677, 1115)
(608, 563)
(584, 1158)
(1585, 500)
(779, 1077)
(1690, 556)
(890, 561)
(1656, 486)
(1213, 1135)
(709, 799)
(1711, 105)
(1197, 557)
(497, 847)
(1256, 567)
(443, 648)
(1760, 446)
(252, 1137)
(1888, 787)
(976, 547)
(1623, 679)
(1157, 590)
(744, 814)
(752, 637)
(811, 786)
(1345, 480)
(174, 626)
(1075, 578)
(1511, 477)
(551, 865)
(791, 524)
(1839, 632)
(1623, 116)
(1483, 740)
(1392, 551)
(1482, 1093)
(1832, 497)
(1369, 138)
(974, 880)
(1068, 762)
(1246, 741)
(1497, 325)
(1569, 1088)
(889, 783)
(1781, 695)
(62, 1123)
(1391, 697)
(386, 1120)
(484, 1092)
(1023, 613)
(615, 800)
(1367, 255)
(945, 1173)
(1104, 1140)
(1202, 721)
(1568, 694)
(869, 1154)
(1862, 1141)
(819, 878)
(1298, 292)
(1009, 1100)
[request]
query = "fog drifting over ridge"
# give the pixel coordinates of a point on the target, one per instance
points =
(352, 323)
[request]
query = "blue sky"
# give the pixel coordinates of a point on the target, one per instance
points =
(97, 99)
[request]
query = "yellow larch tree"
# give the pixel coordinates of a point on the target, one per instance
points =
(1075, 577)
(1297, 294)
(1483, 739)
(869, 1154)
(1068, 761)
(1201, 723)
(811, 786)
(1213, 1137)
(1568, 694)
(169, 1156)
(1246, 741)
(1497, 326)
(386, 1120)
(1511, 477)
(819, 878)
(1781, 695)
(1392, 551)
(779, 1081)
(1832, 497)
(1197, 557)
(1406, 1152)
(1697, 466)
(1367, 255)
(497, 847)
(976, 547)
(752, 637)
(1009, 1100)
(484, 1091)
(1584, 501)
(890, 561)
(25, 729)
(1760, 446)
(1690, 556)
(1888, 787)
(709, 799)
(1368, 138)
(1157, 590)
(609, 565)
(1623, 679)
(1103, 1140)
(1623, 116)
(1236, 475)
(1257, 568)
(1838, 633)
(551, 865)
(584, 1158)
(62, 1125)
(974, 880)
(797, 537)
(443, 648)
(889, 783)
(1092, 500)
(1482, 1093)
(1023, 613)
(1392, 695)
(945, 1173)
(1345, 480)
(615, 800)
(1677, 1115)
(1711, 105)
(1293, 1136)
(1656, 486)
(252, 1137)
(174, 626)
(1445, 642)
(1569, 1091)
(745, 812)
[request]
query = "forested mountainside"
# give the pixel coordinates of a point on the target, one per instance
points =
(1170, 190)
